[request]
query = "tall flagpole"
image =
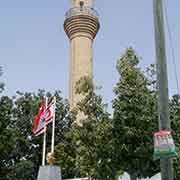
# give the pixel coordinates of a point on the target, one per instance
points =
(53, 127)
(44, 138)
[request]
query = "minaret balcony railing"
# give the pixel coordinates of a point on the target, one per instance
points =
(76, 11)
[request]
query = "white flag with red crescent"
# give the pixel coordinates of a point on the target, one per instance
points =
(49, 113)
(43, 118)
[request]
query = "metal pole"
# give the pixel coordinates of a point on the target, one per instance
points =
(44, 148)
(162, 82)
(44, 138)
(53, 126)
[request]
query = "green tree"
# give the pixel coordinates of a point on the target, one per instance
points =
(21, 152)
(66, 157)
(175, 125)
(1, 83)
(23, 169)
(6, 135)
(95, 148)
(134, 118)
(6, 132)
(26, 153)
(88, 148)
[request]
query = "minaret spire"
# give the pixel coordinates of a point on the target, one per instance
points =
(76, 3)
(81, 26)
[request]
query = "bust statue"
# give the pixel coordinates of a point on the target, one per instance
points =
(50, 158)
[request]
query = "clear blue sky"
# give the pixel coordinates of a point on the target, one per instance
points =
(34, 50)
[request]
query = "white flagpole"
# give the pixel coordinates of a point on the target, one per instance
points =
(44, 139)
(53, 126)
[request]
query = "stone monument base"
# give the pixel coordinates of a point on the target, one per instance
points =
(49, 173)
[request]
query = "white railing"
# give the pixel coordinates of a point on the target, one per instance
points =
(81, 11)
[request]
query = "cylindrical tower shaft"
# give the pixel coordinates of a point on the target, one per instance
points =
(81, 26)
(81, 64)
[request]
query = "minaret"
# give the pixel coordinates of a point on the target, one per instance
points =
(81, 26)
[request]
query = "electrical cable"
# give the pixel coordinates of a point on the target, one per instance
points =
(171, 45)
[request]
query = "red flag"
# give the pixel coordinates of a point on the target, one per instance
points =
(49, 113)
(39, 122)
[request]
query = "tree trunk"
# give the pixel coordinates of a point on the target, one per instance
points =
(133, 176)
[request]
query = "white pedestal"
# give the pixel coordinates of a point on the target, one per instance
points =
(49, 173)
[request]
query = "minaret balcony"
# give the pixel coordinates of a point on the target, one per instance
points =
(76, 11)
(81, 21)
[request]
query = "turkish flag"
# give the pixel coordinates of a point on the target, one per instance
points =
(39, 122)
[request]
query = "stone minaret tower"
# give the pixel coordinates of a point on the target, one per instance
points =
(81, 26)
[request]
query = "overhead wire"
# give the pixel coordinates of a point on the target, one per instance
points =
(171, 46)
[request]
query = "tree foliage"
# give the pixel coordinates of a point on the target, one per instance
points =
(175, 125)
(90, 144)
(134, 118)
(21, 156)
(6, 135)
(1, 83)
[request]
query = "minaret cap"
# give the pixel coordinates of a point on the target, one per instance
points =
(76, 3)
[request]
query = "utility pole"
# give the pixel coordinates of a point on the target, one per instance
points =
(162, 82)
